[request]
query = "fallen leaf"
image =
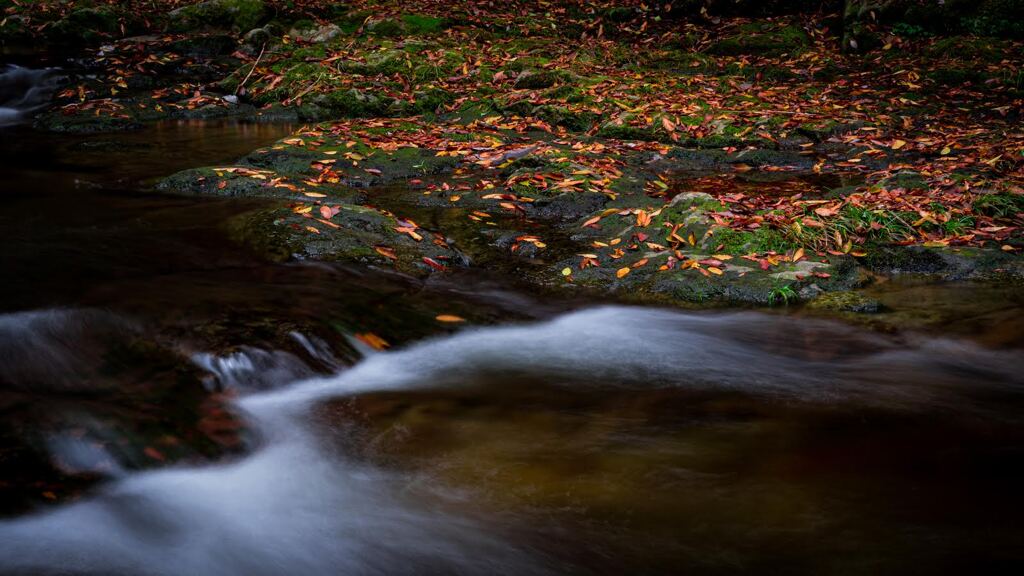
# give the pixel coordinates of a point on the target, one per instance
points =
(449, 318)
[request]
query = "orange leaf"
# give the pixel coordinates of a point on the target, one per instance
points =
(372, 340)
(449, 318)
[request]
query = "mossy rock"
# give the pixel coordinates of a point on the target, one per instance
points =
(627, 132)
(538, 80)
(85, 26)
(968, 48)
(238, 15)
(761, 40)
(578, 121)
(15, 30)
(353, 103)
(432, 100)
(407, 25)
(422, 24)
(358, 234)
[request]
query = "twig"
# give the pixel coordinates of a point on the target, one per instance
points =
(249, 75)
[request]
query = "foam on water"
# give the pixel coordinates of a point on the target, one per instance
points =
(296, 507)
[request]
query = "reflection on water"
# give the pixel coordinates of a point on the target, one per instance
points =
(673, 442)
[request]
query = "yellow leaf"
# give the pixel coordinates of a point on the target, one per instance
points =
(798, 254)
(897, 144)
(714, 270)
(566, 271)
(622, 272)
(373, 341)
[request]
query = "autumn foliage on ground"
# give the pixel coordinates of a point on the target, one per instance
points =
(921, 135)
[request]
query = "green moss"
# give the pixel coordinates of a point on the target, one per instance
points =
(627, 132)
(1000, 205)
(419, 24)
(390, 28)
(968, 48)
(1002, 18)
(85, 25)
(535, 80)
(761, 39)
(432, 100)
(846, 301)
(954, 76)
(738, 242)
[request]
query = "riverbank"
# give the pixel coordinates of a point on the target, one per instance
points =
(700, 161)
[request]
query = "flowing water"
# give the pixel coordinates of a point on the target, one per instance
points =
(171, 405)
(24, 90)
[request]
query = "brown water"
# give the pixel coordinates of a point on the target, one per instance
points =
(171, 405)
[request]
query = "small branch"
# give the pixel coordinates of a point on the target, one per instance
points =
(249, 75)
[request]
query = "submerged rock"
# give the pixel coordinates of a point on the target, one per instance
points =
(846, 302)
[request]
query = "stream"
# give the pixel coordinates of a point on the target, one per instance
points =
(170, 404)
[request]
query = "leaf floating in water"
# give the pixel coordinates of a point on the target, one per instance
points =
(373, 341)
(449, 318)
(154, 453)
